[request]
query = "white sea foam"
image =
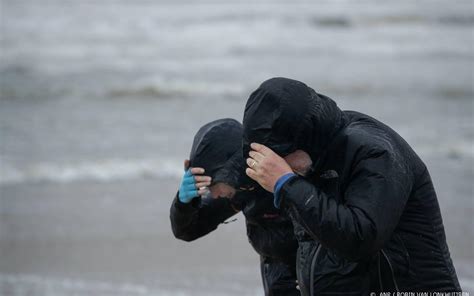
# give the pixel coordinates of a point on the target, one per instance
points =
(125, 169)
(157, 87)
(103, 170)
(461, 149)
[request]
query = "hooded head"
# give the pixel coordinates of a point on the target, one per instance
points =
(217, 147)
(286, 115)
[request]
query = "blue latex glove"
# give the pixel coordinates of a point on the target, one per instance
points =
(187, 190)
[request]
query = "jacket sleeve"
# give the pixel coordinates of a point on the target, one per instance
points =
(199, 217)
(357, 223)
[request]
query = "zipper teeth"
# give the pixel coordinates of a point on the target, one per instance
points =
(391, 269)
(313, 264)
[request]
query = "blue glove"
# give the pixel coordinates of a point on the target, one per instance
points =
(187, 190)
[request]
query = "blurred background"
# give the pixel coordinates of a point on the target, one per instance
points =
(100, 101)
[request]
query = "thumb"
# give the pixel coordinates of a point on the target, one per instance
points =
(186, 164)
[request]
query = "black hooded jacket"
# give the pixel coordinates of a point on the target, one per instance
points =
(366, 216)
(217, 148)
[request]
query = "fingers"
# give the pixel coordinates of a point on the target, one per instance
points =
(202, 179)
(197, 171)
(198, 181)
(190, 179)
(251, 173)
(256, 155)
(203, 184)
(186, 164)
(203, 191)
(250, 162)
(197, 186)
(260, 148)
(193, 191)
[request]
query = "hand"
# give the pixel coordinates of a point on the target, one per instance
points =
(265, 166)
(193, 185)
(299, 161)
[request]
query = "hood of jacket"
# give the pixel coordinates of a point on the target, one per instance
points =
(217, 147)
(286, 115)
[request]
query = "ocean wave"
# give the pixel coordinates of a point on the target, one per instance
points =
(462, 150)
(126, 169)
(459, 20)
(177, 88)
(345, 21)
(103, 170)
(332, 22)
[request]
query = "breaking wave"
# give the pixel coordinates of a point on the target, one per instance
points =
(345, 21)
(170, 89)
(125, 169)
(104, 170)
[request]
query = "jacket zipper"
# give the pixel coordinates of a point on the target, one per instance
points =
(264, 278)
(391, 270)
(313, 265)
(307, 229)
(298, 270)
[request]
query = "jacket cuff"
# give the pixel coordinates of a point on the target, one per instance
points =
(284, 194)
(278, 185)
(189, 207)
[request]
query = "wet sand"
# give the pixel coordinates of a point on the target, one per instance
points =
(115, 239)
(118, 234)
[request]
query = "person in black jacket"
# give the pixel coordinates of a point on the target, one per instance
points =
(217, 152)
(365, 213)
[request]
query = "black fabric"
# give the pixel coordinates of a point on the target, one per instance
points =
(278, 277)
(367, 218)
(217, 148)
(286, 115)
(190, 221)
(270, 232)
